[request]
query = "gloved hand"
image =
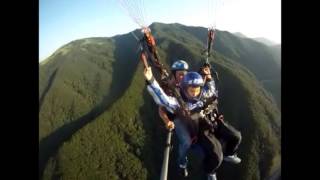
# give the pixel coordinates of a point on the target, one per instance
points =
(148, 73)
(206, 73)
(220, 118)
(170, 125)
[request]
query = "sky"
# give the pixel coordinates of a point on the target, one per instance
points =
(62, 21)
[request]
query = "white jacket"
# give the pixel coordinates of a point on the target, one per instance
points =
(171, 103)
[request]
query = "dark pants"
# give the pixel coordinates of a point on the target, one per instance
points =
(221, 141)
(229, 137)
(212, 149)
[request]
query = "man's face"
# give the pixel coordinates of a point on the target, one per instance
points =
(193, 91)
(179, 75)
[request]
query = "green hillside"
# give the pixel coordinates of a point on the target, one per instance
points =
(97, 121)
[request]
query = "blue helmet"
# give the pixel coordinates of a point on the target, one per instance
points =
(180, 65)
(192, 79)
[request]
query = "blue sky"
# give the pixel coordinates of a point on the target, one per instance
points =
(61, 21)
